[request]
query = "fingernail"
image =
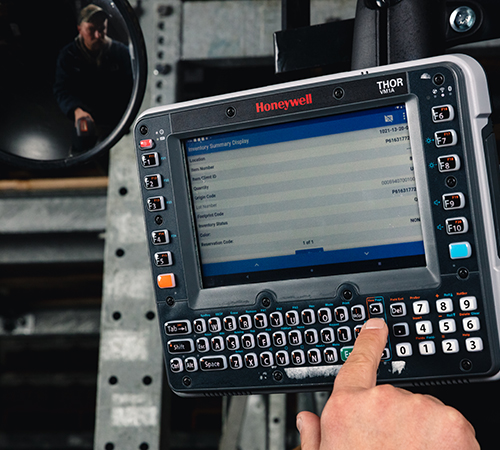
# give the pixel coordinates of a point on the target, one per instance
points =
(375, 324)
(299, 423)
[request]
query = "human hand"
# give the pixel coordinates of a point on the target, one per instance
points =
(361, 415)
(79, 113)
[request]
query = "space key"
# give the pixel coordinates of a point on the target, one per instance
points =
(213, 363)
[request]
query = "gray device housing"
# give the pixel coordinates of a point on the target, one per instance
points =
(449, 356)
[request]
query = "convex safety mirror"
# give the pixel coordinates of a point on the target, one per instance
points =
(72, 80)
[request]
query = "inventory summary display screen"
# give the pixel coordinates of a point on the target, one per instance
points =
(318, 197)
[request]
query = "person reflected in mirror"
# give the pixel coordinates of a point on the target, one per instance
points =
(93, 81)
(363, 415)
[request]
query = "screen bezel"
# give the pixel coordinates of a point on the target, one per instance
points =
(303, 288)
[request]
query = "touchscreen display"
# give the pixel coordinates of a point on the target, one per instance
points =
(317, 197)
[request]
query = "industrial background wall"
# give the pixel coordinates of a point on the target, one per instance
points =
(80, 361)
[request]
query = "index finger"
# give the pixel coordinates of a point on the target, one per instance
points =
(360, 369)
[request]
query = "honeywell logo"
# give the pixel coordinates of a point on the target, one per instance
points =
(284, 104)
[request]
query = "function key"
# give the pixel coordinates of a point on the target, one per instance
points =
(468, 303)
(150, 159)
(160, 237)
(178, 327)
(260, 320)
(308, 317)
(147, 144)
(163, 259)
(398, 309)
(292, 318)
(457, 225)
(276, 319)
(153, 181)
(155, 204)
(453, 201)
(445, 138)
(443, 113)
(448, 163)
(208, 363)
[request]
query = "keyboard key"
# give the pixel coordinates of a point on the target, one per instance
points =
(341, 314)
(327, 335)
(230, 323)
(276, 319)
(404, 349)
(401, 329)
(245, 322)
(177, 327)
(266, 359)
(263, 340)
(298, 358)
(292, 318)
(330, 355)
(308, 317)
(450, 346)
(233, 343)
(421, 308)
(251, 360)
(474, 344)
(214, 325)
(358, 313)
(471, 324)
(294, 337)
(282, 358)
(447, 326)
(208, 363)
(279, 339)
(248, 341)
(427, 348)
(324, 315)
(235, 362)
(468, 303)
(178, 346)
(311, 336)
(176, 365)
(200, 326)
(191, 364)
(424, 327)
(314, 356)
(260, 320)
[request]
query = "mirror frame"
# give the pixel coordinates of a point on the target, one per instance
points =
(139, 68)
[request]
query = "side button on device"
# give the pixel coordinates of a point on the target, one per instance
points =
(163, 259)
(443, 113)
(147, 144)
(455, 200)
(460, 250)
(448, 163)
(160, 237)
(457, 225)
(445, 138)
(166, 281)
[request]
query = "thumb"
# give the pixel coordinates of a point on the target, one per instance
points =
(309, 428)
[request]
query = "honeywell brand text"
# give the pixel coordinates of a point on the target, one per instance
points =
(284, 104)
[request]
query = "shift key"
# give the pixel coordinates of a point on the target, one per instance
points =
(178, 346)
